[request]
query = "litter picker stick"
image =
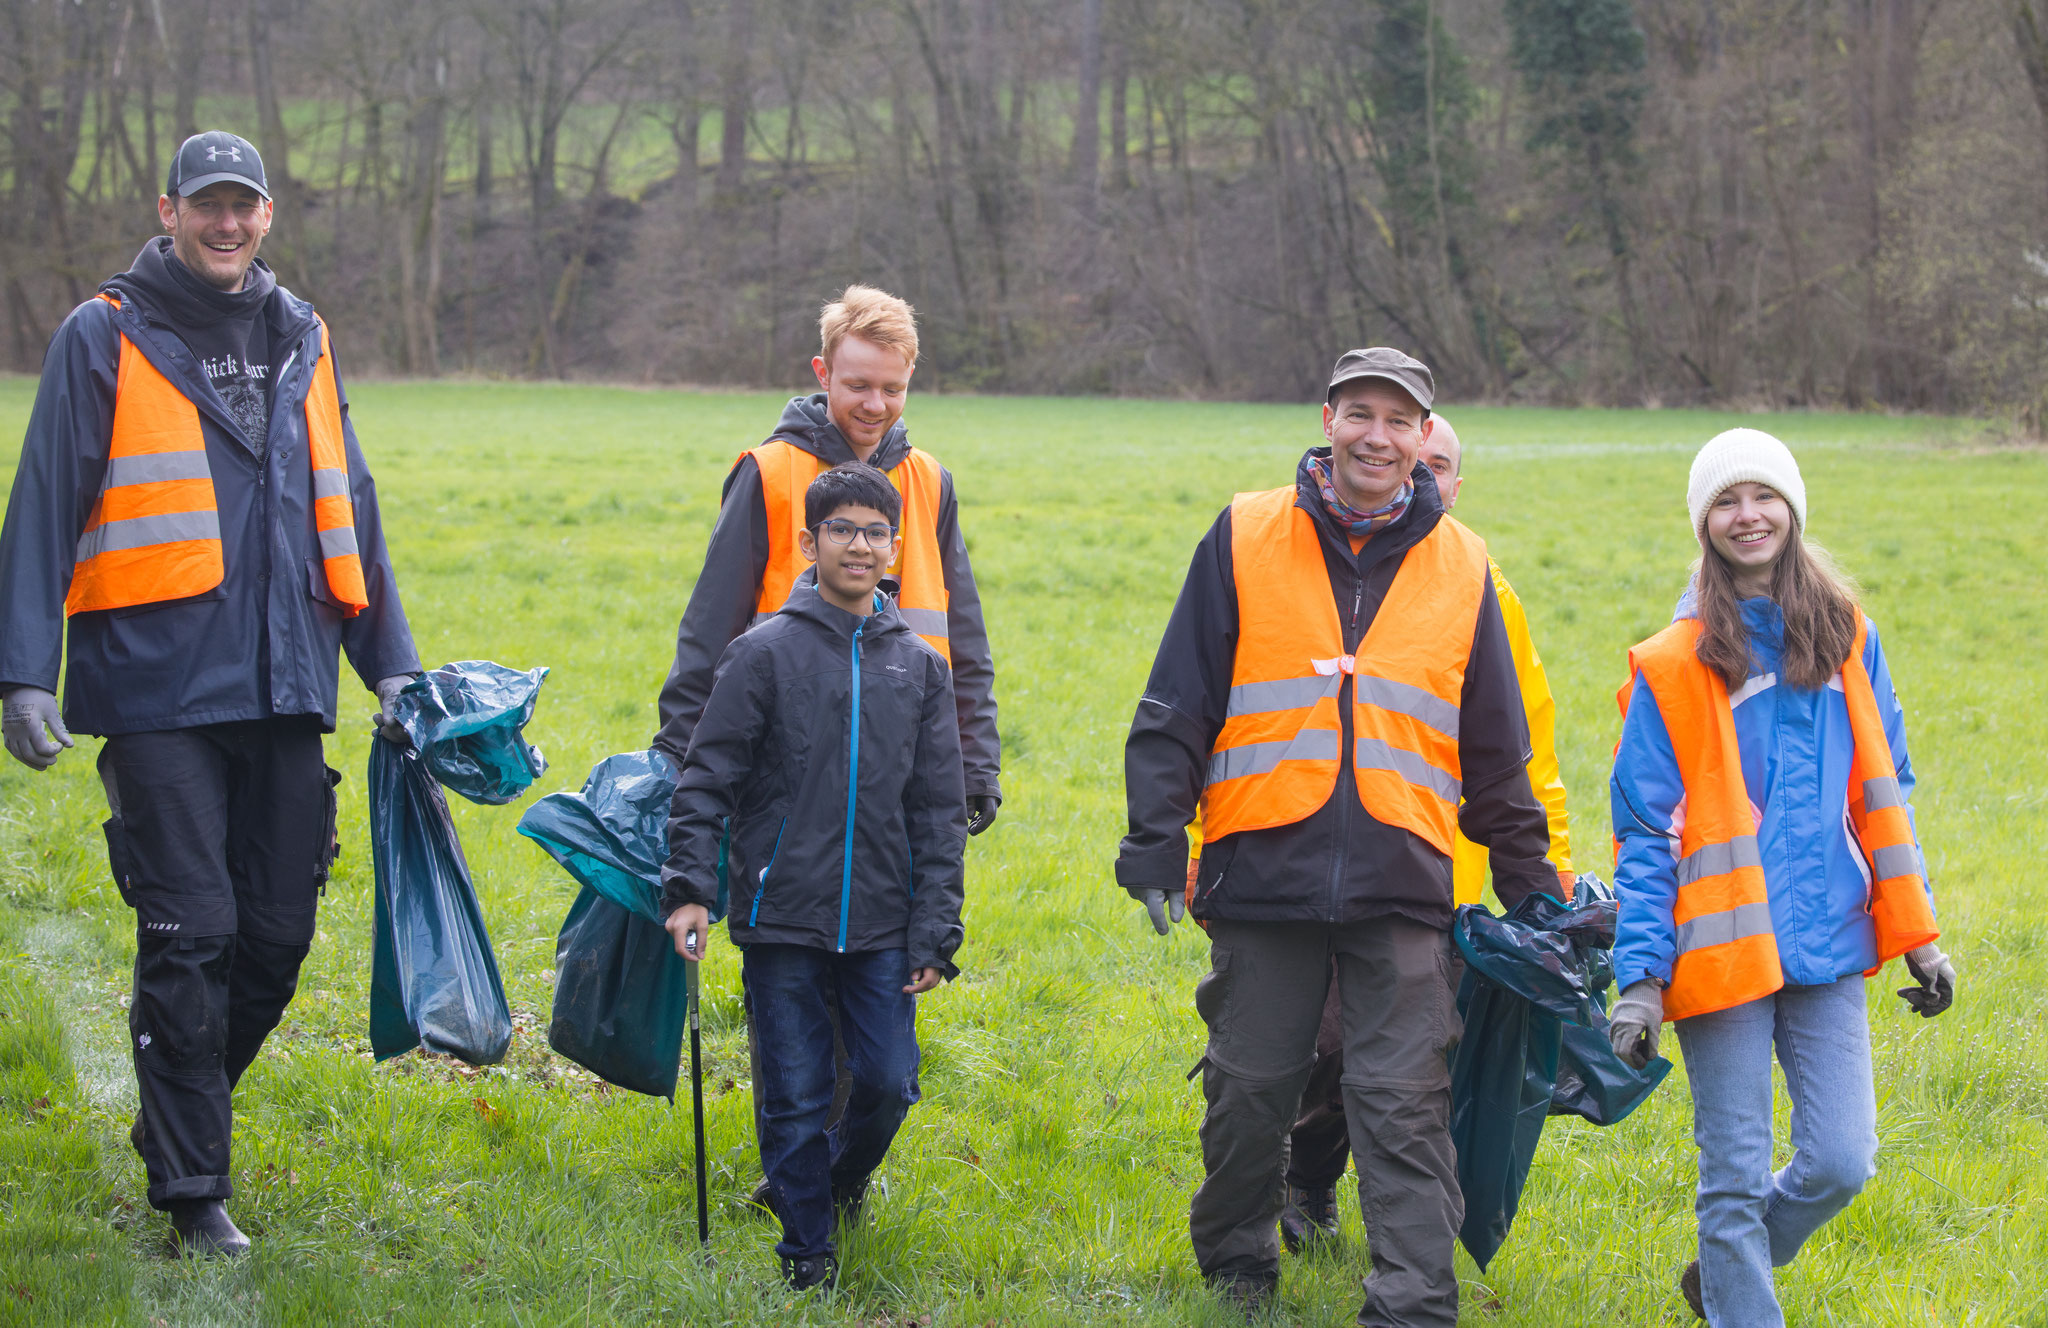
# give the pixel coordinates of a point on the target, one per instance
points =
(697, 1095)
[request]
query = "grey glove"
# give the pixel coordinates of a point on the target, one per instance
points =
(1636, 1022)
(981, 812)
(28, 711)
(1161, 906)
(1930, 968)
(387, 689)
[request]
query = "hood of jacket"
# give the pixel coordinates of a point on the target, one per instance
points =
(164, 291)
(805, 423)
(805, 602)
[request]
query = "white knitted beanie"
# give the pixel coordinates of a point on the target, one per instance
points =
(1743, 456)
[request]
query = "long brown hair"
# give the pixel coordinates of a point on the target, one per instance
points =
(1819, 604)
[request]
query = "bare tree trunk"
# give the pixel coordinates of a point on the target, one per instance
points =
(736, 105)
(189, 63)
(419, 237)
(2030, 36)
(1087, 150)
(276, 147)
(1119, 119)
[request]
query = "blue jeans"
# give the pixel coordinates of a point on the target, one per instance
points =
(806, 1163)
(1751, 1219)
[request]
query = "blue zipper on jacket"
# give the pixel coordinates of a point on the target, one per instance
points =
(852, 785)
(761, 881)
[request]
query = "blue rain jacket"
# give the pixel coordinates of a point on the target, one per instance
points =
(1796, 753)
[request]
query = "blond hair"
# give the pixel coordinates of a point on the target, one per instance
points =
(872, 315)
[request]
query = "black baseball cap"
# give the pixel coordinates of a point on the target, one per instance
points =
(1404, 371)
(211, 157)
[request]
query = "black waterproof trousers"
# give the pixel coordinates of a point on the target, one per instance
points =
(221, 838)
(1263, 1002)
(1321, 1143)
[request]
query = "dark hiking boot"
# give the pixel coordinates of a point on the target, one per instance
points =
(1251, 1295)
(762, 1196)
(848, 1203)
(821, 1270)
(137, 1133)
(1309, 1217)
(1689, 1287)
(203, 1227)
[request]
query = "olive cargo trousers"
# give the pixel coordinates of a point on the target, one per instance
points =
(1263, 1001)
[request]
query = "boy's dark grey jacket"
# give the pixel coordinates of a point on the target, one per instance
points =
(848, 820)
(722, 602)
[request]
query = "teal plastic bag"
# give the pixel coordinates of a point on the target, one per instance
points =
(1535, 1046)
(620, 988)
(467, 722)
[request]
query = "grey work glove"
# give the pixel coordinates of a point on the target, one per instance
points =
(387, 689)
(1636, 1022)
(1932, 970)
(1162, 906)
(28, 711)
(981, 812)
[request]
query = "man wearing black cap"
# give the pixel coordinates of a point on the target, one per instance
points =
(1335, 694)
(192, 508)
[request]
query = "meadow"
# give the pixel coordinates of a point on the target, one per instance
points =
(1044, 1179)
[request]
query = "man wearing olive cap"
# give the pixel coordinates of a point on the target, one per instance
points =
(1336, 697)
(192, 517)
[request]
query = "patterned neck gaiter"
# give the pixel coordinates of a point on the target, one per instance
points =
(1348, 518)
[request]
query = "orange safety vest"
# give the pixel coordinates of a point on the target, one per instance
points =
(787, 470)
(154, 531)
(1275, 759)
(1727, 947)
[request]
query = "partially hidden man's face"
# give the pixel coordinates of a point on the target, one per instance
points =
(853, 547)
(1442, 452)
(1375, 431)
(217, 231)
(866, 386)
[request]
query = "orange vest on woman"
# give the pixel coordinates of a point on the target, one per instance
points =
(787, 470)
(1274, 761)
(154, 532)
(1727, 947)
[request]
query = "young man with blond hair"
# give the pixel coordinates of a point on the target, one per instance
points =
(867, 352)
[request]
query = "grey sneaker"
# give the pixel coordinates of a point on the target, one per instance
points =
(1310, 1217)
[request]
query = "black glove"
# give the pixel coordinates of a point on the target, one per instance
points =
(981, 812)
(28, 712)
(1937, 978)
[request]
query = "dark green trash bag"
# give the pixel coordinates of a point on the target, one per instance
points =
(620, 987)
(1535, 1045)
(433, 980)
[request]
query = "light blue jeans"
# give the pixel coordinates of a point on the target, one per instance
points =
(1751, 1219)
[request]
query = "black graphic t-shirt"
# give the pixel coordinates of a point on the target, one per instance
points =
(228, 332)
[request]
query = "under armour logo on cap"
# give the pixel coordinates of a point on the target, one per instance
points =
(209, 158)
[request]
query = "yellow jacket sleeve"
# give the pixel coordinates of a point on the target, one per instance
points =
(1468, 860)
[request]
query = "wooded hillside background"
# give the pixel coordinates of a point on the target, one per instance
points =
(1781, 202)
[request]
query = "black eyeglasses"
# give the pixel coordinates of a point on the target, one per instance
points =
(842, 532)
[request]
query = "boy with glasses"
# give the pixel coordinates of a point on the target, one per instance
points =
(829, 745)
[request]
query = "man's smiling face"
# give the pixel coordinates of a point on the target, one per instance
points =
(217, 231)
(1375, 430)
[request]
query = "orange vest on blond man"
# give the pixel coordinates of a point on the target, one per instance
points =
(787, 471)
(1275, 760)
(154, 532)
(1727, 947)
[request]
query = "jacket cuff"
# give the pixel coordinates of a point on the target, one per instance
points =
(985, 790)
(1167, 870)
(946, 966)
(1628, 972)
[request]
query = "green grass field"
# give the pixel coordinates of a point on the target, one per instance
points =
(1044, 1179)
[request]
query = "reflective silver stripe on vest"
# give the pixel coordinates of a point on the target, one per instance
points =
(156, 467)
(330, 483)
(1376, 755)
(1718, 860)
(1896, 860)
(141, 531)
(1258, 698)
(925, 622)
(1881, 793)
(338, 543)
(1407, 699)
(1729, 925)
(1258, 758)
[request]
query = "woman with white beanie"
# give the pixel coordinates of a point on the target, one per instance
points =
(1766, 865)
